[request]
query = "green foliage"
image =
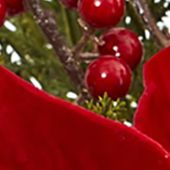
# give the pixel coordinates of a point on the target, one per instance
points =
(37, 58)
(120, 110)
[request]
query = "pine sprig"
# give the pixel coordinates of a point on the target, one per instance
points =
(120, 110)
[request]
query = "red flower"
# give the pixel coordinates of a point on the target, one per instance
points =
(153, 114)
(41, 132)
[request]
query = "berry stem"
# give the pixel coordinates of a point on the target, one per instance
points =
(89, 56)
(87, 34)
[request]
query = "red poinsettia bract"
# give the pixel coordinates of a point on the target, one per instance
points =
(153, 114)
(41, 132)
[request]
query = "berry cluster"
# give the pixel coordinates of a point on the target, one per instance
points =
(98, 13)
(120, 49)
(10, 7)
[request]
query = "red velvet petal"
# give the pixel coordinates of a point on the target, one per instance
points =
(153, 114)
(40, 132)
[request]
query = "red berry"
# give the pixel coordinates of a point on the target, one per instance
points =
(2, 11)
(15, 6)
(108, 74)
(122, 43)
(70, 3)
(101, 13)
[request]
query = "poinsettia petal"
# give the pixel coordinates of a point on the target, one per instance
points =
(41, 132)
(153, 114)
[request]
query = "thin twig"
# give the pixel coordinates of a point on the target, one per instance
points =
(150, 23)
(82, 43)
(89, 56)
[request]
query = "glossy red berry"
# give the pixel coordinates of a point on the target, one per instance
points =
(70, 3)
(3, 11)
(122, 43)
(101, 13)
(108, 74)
(15, 6)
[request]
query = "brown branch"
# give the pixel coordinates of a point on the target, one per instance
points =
(150, 23)
(48, 25)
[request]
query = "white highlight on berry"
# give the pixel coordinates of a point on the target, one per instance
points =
(103, 75)
(117, 55)
(115, 48)
(97, 3)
